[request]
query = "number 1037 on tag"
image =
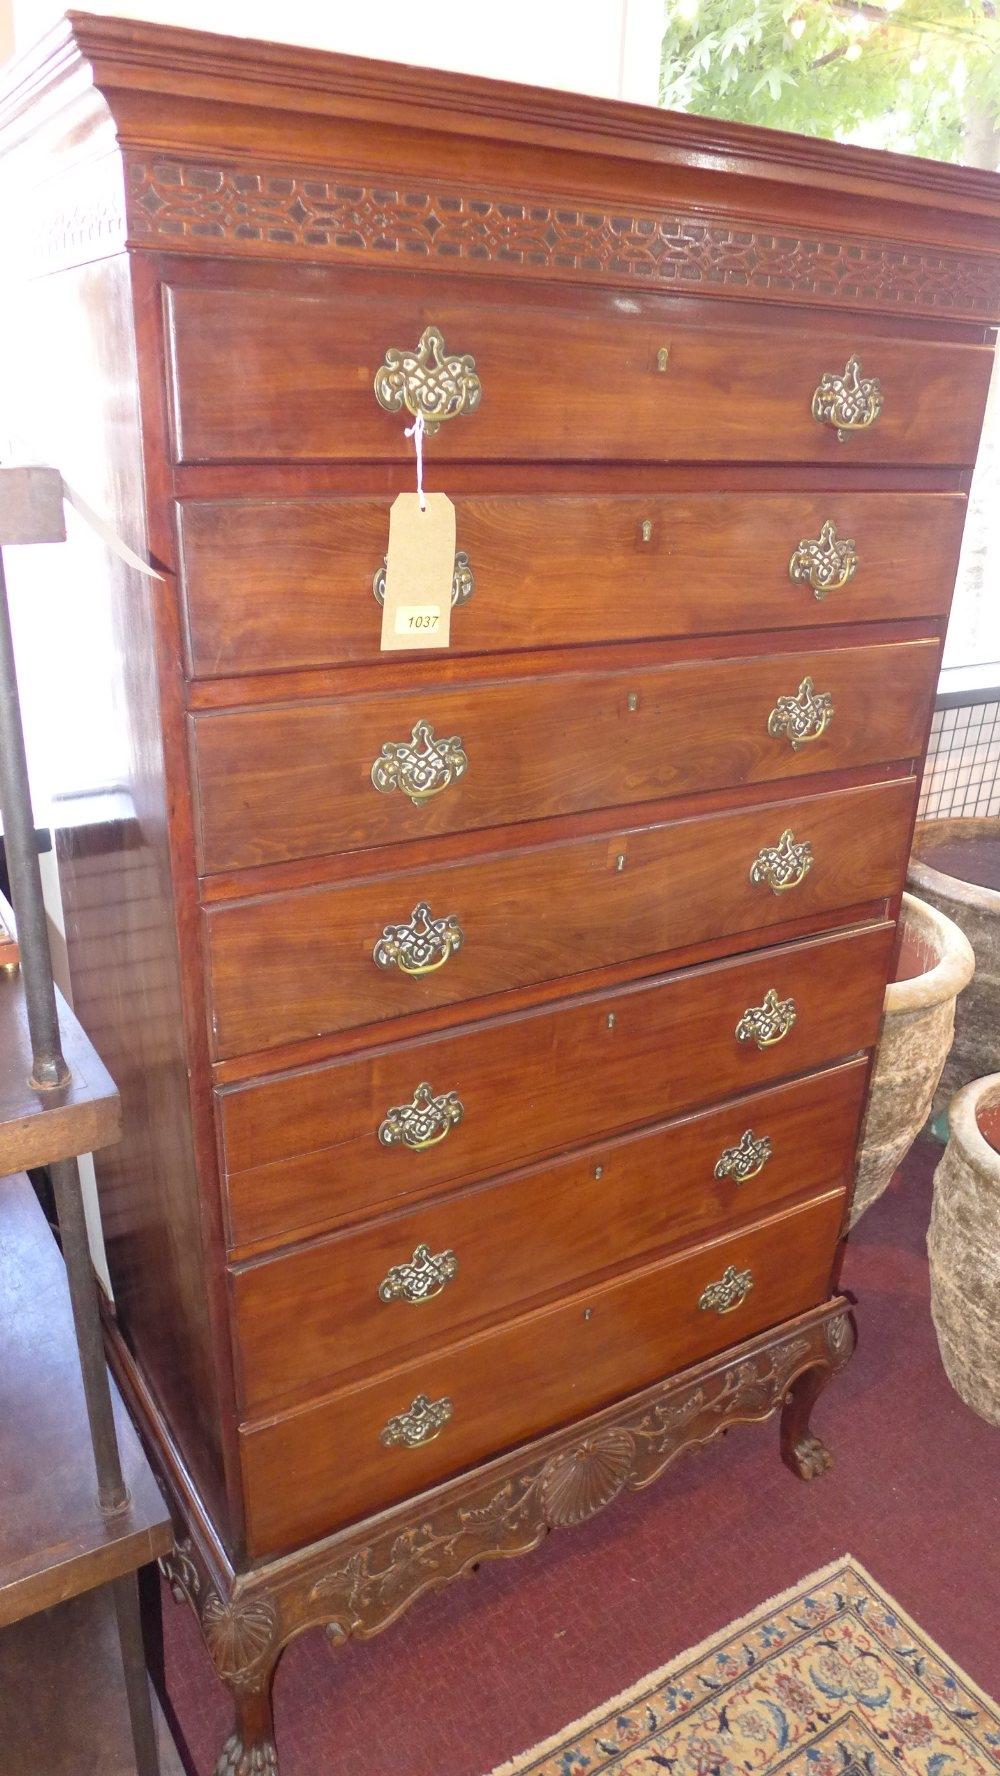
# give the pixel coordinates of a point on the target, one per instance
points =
(418, 619)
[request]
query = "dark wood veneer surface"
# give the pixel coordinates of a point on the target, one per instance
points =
(543, 1369)
(289, 376)
(277, 582)
(295, 780)
(288, 966)
(306, 1314)
(302, 1148)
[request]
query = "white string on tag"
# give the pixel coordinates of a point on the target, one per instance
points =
(416, 432)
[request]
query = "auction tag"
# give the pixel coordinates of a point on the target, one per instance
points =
(420, 567)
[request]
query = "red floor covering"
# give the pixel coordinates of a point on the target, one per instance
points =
(500, 1660)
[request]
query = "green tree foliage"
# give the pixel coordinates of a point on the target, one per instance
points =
(918, 76)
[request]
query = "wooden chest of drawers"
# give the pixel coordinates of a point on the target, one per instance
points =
(493, 1023)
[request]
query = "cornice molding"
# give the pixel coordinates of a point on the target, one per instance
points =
(123, 55)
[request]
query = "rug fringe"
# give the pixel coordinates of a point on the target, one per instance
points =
(652, 1679)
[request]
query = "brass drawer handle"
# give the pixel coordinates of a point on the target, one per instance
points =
(420, 767)
(802, 718)
(421, 1278)
(767, 1023)
(746, 1160)
(421, 945)
(825, 563)
(429, 381)
(729, 1293)
(420, 1423)
(849, 401)
(463, 582)
(423, 1122)
(784, 865)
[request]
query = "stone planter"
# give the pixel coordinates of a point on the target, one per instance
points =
(955, 866)
(964, 1248)
(935, 963)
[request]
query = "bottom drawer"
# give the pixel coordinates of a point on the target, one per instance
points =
(312, 1470)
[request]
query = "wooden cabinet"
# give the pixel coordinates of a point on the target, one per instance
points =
(493, 1021)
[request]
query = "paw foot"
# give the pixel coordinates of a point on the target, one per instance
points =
(238, 1759)
(809, 1457)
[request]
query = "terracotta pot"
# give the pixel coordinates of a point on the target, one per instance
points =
(935, 963)
(956, 867)
(964, 1248)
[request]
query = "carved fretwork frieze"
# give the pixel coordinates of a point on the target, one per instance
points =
(327, 215)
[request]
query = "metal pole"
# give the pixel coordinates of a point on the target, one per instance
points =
(112, 1493)
(49, 1067)
(126, 1592)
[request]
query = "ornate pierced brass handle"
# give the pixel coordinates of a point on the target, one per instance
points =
(420, 946)
(430, 381)
(421, 1278)
(849, 402)
(746, 1160)
(420, 767)
(423, 1122)
(825, 563)
(463, 582)
(729, 1293)
(802, 718)
(767, 1023)
(420, 1423)
(784, 865)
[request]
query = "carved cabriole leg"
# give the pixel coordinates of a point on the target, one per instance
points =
(801, 1450)
(250, 1751)
(242, 1633)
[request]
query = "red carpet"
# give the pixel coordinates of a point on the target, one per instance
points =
(504, 1658)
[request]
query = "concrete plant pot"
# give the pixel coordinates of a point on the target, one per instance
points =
(935, 963)
(955, 865)
(964, 1248)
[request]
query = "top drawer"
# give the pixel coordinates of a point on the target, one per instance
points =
(265, 375)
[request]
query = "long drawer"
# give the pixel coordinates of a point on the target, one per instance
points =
(303, 1150)
(308, 778)
(369, 1297)
(293, 965)
(281, 583)
(270, 375)
(315, 1468)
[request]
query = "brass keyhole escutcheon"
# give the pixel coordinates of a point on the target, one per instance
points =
(646, 530)
(662, 357)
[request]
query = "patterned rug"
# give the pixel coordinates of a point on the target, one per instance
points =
(831, 1679)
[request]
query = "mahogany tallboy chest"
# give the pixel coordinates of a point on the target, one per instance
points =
(493, 1022)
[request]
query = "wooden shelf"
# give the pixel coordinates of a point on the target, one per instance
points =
(54, 1542)
(37, 1127)
(62, 1695)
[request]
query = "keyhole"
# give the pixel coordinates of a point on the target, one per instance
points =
(598, 1173)
(633, 701)
(620, 862)
(661, 357)
(647, 530)
(588, 1313)
(611, 1020)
